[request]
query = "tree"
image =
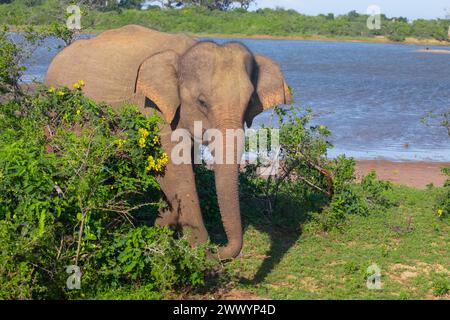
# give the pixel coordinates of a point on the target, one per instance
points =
(223, 5)
(245, 4)
(129, 4)
(101, 5)
(397, 31)
(169, 4)
(353, 15)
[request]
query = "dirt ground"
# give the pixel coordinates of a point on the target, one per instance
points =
(413, 174)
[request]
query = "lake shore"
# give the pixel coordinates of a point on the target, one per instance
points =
(408, 41)
(409, 173)
(379, 39)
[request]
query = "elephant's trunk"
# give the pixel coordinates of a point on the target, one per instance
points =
(228, 198)
(227, 186)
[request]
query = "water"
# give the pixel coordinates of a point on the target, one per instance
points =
(371, 96)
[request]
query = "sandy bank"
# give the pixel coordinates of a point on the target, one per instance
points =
(413, 174)
(434, 51)
(378, 39)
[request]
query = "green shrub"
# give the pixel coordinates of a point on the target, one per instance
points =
(368, 197)
(78, 187)
(441, 284)
(443, 200)
(304, 165)
(151, 256)
(307, 177)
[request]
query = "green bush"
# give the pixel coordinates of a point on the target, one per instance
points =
(78, 187)
(307, 177)
(368, 197)
(443, 200)
(441, 284)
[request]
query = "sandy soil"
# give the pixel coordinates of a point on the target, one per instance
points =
(413, 174)
(434, 51)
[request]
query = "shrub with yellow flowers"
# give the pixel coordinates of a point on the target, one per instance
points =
(75, 189)
(156, 160)
(443, 202)
(82, 173)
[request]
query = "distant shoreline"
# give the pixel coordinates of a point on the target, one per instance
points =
(408, 41)
(380, 39)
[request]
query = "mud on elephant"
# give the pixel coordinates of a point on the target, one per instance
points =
(185, 80)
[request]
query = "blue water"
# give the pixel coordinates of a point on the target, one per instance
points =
(371, 96)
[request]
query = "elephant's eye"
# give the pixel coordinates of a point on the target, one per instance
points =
(202, 102)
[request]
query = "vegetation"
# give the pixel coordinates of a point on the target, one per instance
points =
(441, 120)
(287, 256)
(300, 243)
(203, 20)
(78, 188)
(443, 207)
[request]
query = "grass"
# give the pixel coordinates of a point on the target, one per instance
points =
(286, 258)
(286, 255)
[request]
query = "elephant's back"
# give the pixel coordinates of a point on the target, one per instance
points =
(108, 64)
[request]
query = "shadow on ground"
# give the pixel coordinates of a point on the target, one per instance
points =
(283, 223)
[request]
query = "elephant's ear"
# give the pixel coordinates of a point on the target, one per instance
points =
(271, 88)
(158, 81)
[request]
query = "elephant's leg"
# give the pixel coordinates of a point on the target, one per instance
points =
(178, 185)
(167, 217)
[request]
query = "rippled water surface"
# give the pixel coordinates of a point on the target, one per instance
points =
(372, 96)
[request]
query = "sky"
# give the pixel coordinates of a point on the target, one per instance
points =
(412, 9)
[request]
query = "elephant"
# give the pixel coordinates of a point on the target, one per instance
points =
(184, 80)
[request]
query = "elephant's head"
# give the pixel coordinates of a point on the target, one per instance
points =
(223, 86)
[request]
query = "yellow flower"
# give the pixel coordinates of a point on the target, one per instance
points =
(322, 127)
(78, 112)
(143, 132)
(151, 163)
(52, 90)
(440, 212)
(141, 142)
(78, 85)
(155, 139)
(120, 143)
(157, 165)
(162, 161)
(61, 93)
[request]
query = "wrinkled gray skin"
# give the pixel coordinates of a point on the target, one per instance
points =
(185, 80)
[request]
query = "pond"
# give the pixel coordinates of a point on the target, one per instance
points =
(372, 96)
